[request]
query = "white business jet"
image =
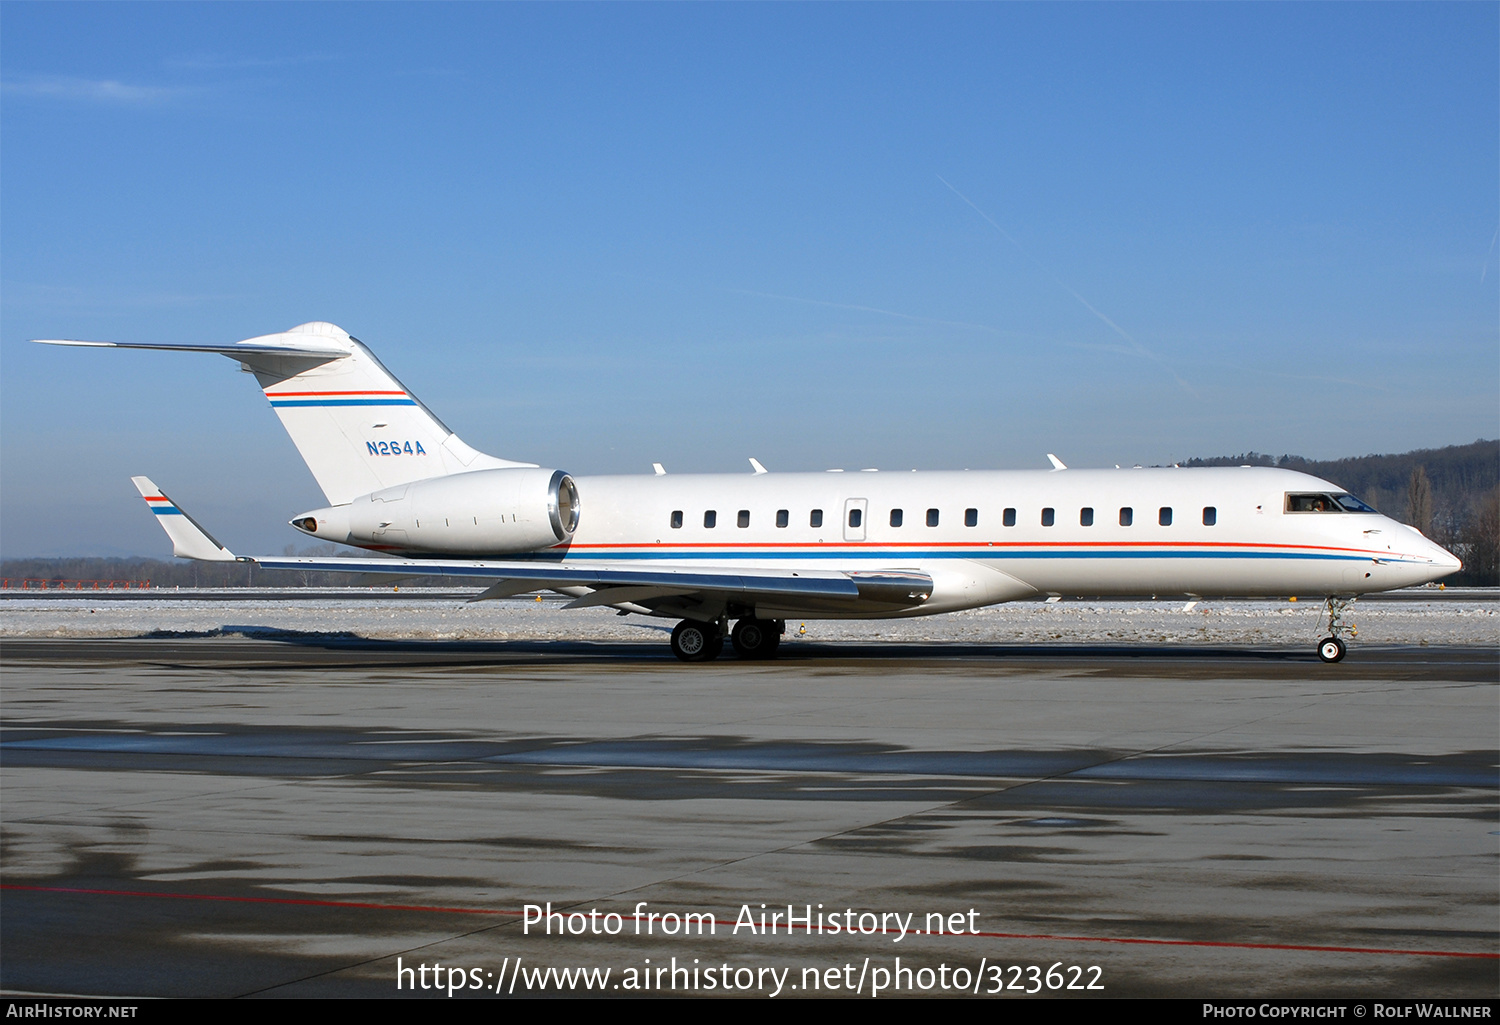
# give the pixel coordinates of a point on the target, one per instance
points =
(760, 548)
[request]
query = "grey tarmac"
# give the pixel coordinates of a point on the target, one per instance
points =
(230, 816)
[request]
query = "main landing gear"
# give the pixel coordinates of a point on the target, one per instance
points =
(693, 641)
(697, 642)
(757, 638)
(1332, 648)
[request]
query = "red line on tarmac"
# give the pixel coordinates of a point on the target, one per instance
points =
(717, 922)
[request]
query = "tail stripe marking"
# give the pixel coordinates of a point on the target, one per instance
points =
(289, 394)
(162, 510)
(344, 402)
(338, 398)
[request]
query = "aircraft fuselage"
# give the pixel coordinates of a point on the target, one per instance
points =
(983, 536)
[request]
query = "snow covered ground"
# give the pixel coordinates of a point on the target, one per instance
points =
(1413, 620)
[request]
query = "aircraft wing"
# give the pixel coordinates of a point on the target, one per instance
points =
(614, 584)
(594, 583)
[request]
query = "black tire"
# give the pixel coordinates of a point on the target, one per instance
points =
(696, 642)
(748, 638)
(1331, 649)
(755, 638)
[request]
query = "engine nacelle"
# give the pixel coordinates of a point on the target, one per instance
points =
(485, 512)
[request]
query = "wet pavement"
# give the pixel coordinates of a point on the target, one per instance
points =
(229, 816)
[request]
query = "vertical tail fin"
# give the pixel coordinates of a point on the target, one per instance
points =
(358, 429)
(356, 425)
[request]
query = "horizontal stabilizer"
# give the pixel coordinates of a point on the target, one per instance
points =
(189, 540)
(310, 349)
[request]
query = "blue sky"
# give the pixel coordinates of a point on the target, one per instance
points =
(594, 236)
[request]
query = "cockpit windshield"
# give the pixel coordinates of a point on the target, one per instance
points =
(1351, 504)
(1339, 502)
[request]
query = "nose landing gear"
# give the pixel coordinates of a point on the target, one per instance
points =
(1332, 648)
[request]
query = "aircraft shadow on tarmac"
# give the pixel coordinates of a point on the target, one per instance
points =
(573, 650)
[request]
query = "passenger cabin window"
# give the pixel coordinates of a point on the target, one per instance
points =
(1086, 517)
(743, 519)
(782, 517)
(710, 518)
(1047, 517)
(895, 517)
(1210, 516)
(676, 519)
(932, 517)
(856, 517)
(1164, 516)
(1008, 517)
(1340, 502)
(816, 519)
(1127, 516)
(971, 517)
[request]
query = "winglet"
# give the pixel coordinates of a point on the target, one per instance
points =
(189, 540)
(1057, 464)
(755, 466)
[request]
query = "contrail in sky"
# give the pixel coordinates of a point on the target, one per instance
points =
(1485, 269)
(1136, 347)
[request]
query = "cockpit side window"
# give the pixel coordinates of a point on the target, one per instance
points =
(1317, 503)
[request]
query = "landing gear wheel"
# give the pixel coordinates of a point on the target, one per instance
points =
(755, 638)
(778, 627)
(696, 642)
(1330, 649)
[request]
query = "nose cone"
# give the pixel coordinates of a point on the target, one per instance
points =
(1430, 561)
(1445, 562)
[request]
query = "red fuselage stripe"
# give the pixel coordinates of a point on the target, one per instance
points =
(857, 545)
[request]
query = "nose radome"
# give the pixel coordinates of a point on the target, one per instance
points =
(1442, 560)
(1446, 560)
